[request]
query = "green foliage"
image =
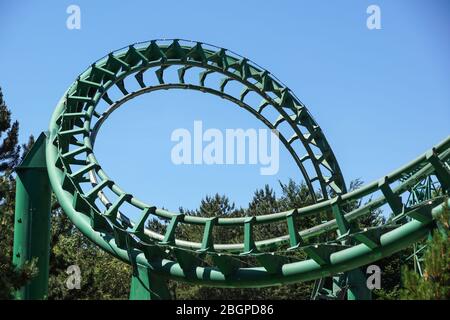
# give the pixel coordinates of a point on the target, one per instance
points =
(435, 283)
(10, 154)
(102, 277)
(9, 134)
(391, 275)
(295, 291)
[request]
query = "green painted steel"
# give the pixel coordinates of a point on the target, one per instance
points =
(32, 219)
(81, 185)
(357, 287)
(147, 286)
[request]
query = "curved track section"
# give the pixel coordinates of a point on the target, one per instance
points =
(97, 205)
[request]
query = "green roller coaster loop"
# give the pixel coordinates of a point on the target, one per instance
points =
(63, 161)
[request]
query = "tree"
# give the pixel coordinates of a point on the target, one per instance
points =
(435, 283)
(9, 133)
(10, 154)
(264, 201)
(102, 277)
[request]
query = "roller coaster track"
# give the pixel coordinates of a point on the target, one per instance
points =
(95, 203)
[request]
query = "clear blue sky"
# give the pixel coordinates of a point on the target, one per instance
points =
(382, 97)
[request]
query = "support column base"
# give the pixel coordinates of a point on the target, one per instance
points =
(145, 285)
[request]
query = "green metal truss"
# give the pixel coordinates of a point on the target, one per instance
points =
(95, 203)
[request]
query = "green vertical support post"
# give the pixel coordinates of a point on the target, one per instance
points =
(145, 285)
(357, 285)
(32, 220)
(355, 279)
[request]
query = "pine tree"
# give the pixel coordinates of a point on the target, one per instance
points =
(10, 154)
(9, 133)
(435, 283)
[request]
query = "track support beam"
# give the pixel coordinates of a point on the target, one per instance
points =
(32, 220)
(145, 285)
(357, 285)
